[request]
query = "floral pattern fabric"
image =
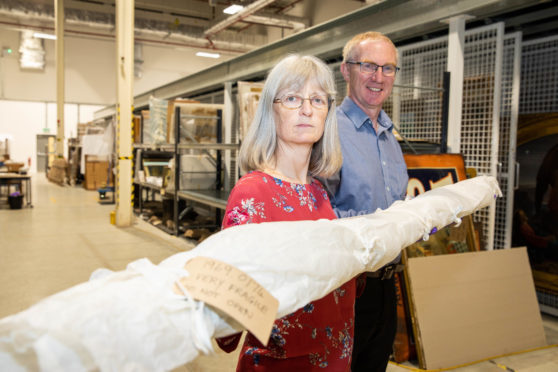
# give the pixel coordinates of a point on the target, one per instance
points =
(320, 335)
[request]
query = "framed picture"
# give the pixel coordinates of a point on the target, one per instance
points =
(427, 172)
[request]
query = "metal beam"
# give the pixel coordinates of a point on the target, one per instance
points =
(247, 11)
(399, 19)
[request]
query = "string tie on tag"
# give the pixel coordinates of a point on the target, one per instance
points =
(201, 334)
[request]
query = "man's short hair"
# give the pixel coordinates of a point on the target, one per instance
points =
(349, 49)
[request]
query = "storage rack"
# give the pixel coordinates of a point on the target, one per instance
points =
(215, 197)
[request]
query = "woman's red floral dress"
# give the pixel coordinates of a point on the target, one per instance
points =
(320, 335)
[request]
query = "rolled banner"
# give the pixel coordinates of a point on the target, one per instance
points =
(134, 320)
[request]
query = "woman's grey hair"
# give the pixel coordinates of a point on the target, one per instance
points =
(257, 151)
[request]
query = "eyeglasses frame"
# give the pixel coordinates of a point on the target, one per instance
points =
(330, 100)
(359, 63)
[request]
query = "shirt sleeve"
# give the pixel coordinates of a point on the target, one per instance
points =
(245, 204)
(331, 185)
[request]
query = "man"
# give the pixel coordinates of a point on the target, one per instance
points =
(373, 176)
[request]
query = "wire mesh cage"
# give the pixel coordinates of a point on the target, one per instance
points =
(509, 109)
(539, 76)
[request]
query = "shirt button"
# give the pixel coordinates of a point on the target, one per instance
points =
(383, 162)
(387, 188)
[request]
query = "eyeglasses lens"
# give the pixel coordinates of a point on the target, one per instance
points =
(293, 101)
(370, 68)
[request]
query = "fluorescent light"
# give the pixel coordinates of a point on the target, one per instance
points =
(233, 9)
(208, 55)
(40, 35)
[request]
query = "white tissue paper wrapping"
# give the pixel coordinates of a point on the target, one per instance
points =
(133, 321)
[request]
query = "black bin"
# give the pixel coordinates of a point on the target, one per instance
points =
(16, 201)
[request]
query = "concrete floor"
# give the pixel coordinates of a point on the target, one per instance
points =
(67, 234)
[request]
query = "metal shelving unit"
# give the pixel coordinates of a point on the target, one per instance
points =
(216, 197)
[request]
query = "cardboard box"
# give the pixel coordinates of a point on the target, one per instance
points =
(96, 173)
(472, 306)
(58, 172)
(137, 129)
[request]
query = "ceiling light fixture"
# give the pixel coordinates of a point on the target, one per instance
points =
(233, 9)
(40, 35)
(208, 55)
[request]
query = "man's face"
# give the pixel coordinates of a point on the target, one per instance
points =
(370, 90)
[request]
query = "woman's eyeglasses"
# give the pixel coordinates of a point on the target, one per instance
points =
(294, 101)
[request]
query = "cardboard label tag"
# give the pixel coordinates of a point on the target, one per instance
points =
(233, 292)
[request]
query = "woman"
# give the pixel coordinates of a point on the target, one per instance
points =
(292, 139)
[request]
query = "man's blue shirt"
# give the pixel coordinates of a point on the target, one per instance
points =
(374, 174)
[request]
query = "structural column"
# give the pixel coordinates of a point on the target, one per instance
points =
(456, 42)
(227, 134)
(59, 46)
(125, 85)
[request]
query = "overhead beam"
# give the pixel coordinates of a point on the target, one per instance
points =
(539, 28)
(545, 15)
(195, 9)
(247, 11)
(399, 19)
(276, 21)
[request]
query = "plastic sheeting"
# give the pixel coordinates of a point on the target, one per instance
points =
(155, 128)
(133, 321)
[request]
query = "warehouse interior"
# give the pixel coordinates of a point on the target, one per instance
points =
(190, 112)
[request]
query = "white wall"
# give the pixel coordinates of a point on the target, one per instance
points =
(89, 76)
(164, 64)
(21, 121)
(90, 70)
(27, 98)
(18, 122)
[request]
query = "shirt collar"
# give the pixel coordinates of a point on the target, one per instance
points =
(359, 118)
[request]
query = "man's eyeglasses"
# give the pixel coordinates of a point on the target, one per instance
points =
(370, 68)
(294, 101)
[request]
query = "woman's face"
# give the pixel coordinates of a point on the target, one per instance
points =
(303, 125)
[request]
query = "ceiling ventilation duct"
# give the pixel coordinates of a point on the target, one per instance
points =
(32, 52)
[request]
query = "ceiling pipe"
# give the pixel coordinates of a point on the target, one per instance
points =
(195, 41)
(250, 9)
(275, 21)
(199, 41)
(297, 25)
(235, 48)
